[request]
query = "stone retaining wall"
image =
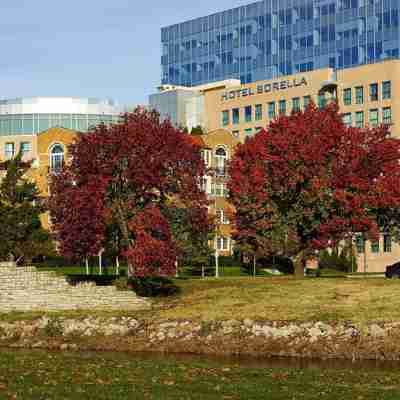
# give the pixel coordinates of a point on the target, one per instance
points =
(232, 337)
(27, 289)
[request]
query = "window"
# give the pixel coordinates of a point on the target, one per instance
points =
(359, 95)
(359, 119)
(9, 150)
(360, 244)
(282, 107)
(225, 118)
(306, 101)
(386, 90)
(56, 158)
(235, 116)
(373, 117)
(347, 97)
(347, 120)
(247, 113)
(296, 104)
(248, 132)
(222, 243)
(25, 147)
(206, 154)
(375, 247)
(271, 110)
(258, 112)
(321, 100)
(387, 115)
(373, 92)
(387, 243)
(222, 217)
(220, 161)
(236, 134)
(219, 190)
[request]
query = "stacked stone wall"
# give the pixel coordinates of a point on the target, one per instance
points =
(27, 289)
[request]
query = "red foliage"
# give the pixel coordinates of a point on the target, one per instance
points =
(323, 180)
(122, 171)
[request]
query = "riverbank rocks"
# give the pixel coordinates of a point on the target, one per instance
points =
(27, 289)
(240, 337)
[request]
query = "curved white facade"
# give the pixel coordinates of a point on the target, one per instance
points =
(31, 115)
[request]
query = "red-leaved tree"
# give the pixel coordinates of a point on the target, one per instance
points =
(315, 179)
(126, 175)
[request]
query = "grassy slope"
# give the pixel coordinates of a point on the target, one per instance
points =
(327, 299)
(39, 375)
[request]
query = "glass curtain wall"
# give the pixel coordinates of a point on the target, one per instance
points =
(272, 38)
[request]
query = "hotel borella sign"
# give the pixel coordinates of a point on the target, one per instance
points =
(265, 88)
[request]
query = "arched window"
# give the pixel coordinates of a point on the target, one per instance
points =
(220, 160)
(56, 157)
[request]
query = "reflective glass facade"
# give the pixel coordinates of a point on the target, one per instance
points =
(29, 116)
(30, 124)
(272, 38)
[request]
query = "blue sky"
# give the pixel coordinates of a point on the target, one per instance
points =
(89, 48)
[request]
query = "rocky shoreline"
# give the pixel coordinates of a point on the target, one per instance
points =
(377, 341)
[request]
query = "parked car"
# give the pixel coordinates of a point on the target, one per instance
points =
(393, 271)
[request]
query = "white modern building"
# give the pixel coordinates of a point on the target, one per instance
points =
(31, 115)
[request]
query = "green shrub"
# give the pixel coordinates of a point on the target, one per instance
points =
(153, 286)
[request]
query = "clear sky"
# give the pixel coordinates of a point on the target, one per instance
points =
(89, 48)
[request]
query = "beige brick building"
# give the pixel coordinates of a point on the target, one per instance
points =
(230, 112)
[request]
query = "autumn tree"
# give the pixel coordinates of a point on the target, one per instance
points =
(321, 180)
(22, 236)
(128, 174)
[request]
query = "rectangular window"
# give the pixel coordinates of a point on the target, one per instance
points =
(248, 132)
(347, 97)
(248, 113)
(222, 217)
(306, 101)
(282, 107)
(373, 92)
(374, 117)
(360, 244)
(296, 104)
(321, 100)
(375, 247)
(25, 147)
(225, 118)
(387, 243)
(235, 116)
(219, 190)
(347, 120)
(9, 150)
(386, 90)
(258, 112)
(359, 119)
(271, 110)
(359, 95)
(206, 154)
(387, 115)
(222, 243)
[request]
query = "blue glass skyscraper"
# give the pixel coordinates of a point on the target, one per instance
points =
(272, 38)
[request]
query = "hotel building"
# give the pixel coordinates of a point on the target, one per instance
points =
(368, 95)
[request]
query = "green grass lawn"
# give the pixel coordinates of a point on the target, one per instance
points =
(285, 298)
(40, 375)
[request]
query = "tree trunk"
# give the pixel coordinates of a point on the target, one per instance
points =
(117, 266)
(254, 266)
(123, 226)
(300, 263)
